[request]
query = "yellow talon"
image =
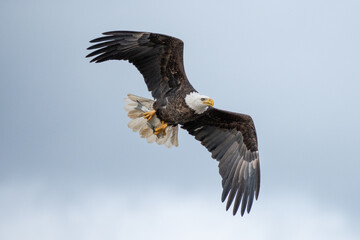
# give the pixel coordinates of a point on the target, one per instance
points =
(149, 115)
(161, 129)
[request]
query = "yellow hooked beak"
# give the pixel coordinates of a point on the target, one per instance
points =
(209, 102)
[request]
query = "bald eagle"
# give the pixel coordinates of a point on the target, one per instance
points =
(230, 137)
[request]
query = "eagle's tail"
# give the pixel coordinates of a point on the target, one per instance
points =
(136, 107)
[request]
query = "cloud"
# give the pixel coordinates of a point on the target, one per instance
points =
(35, 212)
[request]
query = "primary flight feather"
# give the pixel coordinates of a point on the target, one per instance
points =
(230, 137)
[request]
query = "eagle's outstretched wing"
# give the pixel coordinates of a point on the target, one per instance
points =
(158, 57)
(231, 138)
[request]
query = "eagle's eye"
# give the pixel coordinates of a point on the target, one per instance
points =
(203, 99)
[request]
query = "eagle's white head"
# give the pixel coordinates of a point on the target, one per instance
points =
(197, 102)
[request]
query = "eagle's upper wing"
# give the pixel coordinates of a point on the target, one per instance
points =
(158, 57)
(231, 138)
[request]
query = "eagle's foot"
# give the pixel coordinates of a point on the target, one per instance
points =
(149, 115)
(161, 129)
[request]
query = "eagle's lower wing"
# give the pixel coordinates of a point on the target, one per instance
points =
(231, 138)
(158, 57)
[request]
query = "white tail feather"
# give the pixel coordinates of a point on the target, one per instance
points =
(137, 124)
(136, 107)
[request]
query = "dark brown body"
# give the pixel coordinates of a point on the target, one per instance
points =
(173, 109)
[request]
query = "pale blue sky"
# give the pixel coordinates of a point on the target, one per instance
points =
(71, 169)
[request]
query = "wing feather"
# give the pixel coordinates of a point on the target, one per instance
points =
(159, 58)
(231, 138)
